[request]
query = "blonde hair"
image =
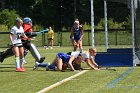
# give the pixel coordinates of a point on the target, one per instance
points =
(19, 20)
(94, 49)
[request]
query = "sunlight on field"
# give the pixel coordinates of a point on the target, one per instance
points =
(89, 82)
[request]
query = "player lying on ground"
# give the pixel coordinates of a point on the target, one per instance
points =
(27, 26)
(60, 63)
(87, 56)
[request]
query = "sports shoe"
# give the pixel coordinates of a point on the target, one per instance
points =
(35, 66)
(19, 70)
(46, 48)
(42, 59)
(23, 68)
(24, 62)
(1, 59)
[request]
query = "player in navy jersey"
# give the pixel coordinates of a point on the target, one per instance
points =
(77, 34)
(60, 63)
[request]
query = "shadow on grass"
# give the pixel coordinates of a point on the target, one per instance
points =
(6, 64)
(7, 70)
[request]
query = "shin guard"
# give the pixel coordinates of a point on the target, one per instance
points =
(35, 53)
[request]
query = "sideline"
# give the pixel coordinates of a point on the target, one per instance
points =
(61, 82)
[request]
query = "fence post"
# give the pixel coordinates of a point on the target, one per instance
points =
(116, 37)
(88, 38)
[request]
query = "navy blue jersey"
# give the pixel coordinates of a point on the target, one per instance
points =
(65, 57)
(77, 32)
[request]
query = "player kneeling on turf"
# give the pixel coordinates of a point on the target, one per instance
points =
(60, 63)
(87, 56)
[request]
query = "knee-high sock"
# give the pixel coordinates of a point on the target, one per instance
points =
(17, 61)
(42, 64)
(51, 66)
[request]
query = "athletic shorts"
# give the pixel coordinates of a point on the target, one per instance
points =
(18, 45)
(50, 38)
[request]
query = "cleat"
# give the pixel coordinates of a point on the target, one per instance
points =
(47, 48)
(1, 59)
(24, 62)
(19, 70)
(42, 59)
(23, 68)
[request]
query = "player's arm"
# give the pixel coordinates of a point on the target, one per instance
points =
(70, 63)
(82, 32)
(89, 63)
(31, 34)
(24, 35)
(10, 36)
(72, 37)
(72, 34)
(93, 62)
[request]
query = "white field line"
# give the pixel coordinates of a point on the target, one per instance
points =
(61, 82)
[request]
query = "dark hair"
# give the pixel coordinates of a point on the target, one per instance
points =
(69, 53)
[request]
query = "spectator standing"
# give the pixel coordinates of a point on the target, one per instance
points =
(50, 37)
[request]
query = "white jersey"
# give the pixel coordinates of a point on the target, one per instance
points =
(16, 33)
(84, 55)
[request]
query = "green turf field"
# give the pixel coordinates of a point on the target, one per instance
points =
(123, 80)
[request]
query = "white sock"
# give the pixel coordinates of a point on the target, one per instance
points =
(81, 49)
(17, 62)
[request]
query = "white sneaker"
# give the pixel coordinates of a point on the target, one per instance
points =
(24, 62)
(46, 48)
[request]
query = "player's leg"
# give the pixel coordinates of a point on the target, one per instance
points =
(22, 60)
(51, 43)
(80, 45)
(17, 59)
(5, 54)
(43, 65)
(59, 64)
(75, 46)
(35, 53)
(25, 53)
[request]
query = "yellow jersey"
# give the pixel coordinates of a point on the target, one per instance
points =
(50, 34)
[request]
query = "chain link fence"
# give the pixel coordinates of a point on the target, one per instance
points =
(115, 37)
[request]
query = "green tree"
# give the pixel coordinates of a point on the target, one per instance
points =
(7, 17)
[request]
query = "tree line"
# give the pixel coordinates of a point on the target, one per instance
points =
(60, 13)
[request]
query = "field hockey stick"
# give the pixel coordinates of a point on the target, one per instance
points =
(107, 68)
(42, 31)
(34, 34)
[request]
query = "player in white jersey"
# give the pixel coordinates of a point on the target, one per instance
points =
(88, 57)
(15, 33)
